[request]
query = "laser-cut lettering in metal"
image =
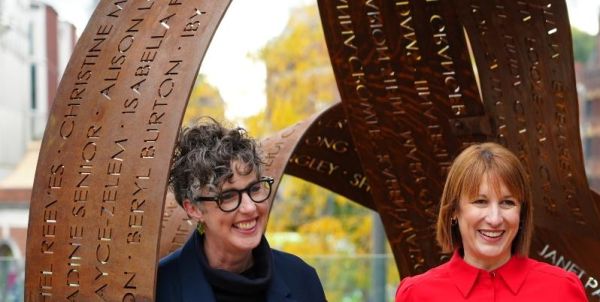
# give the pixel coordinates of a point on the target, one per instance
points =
(99, 188)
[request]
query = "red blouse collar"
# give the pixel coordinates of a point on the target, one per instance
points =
(465, 276)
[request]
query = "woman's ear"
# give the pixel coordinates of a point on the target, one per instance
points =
(192, 210)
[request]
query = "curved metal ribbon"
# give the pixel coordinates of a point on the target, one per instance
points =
(413, 101)
(100, 183)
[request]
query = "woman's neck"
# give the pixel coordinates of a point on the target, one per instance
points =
(230, 262)
(486, 264)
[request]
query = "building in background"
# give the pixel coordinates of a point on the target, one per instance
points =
(35, 46)
(589, 115)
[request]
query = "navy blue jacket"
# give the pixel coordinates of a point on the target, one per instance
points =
(180, 278)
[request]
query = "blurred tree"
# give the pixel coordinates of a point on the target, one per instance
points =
(205, 100)
(300, 80)
(583, 45)
(308, 220)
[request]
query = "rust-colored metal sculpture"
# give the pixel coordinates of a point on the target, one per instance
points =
(97, 200)
(419, 81)
(412, 101)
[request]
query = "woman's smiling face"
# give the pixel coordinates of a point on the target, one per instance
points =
(241, 230)
(488, 223)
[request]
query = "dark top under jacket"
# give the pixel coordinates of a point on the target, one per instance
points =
(184, 275)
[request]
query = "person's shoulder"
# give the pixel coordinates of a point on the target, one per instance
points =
(168, 269)
(170, 261)
(167, 285)
(549, 271)
(301, 278)
(434, 274)
(425, 282)
(290, 261)
(562, 281)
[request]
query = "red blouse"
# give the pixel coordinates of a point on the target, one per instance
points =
(520, 279)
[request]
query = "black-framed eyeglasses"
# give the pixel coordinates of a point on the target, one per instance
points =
(230, 200)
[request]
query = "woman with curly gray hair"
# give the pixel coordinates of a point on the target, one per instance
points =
(216, 176)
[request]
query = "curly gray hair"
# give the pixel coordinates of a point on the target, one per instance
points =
(203, 156)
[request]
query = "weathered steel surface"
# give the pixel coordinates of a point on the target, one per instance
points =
(525, 65)
(325, 155)
(100, 183)
(412, 102)
(406, 83)
(176, 227)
